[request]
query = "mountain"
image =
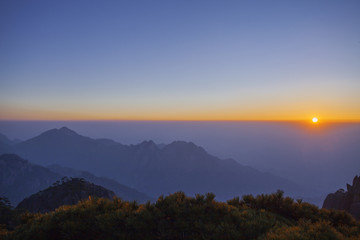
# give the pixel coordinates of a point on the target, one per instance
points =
(152, 169)
(5, 144)
(19, 178)
(65, 193)
(5, 148)
(120, 190)
(5, 139)
(346, 200)
(185, 166)
(67, 148)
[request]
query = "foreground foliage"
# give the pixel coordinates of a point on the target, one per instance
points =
(178, 216)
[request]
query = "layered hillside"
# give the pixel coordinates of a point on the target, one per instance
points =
(67, 192)
(20, 178)
(120, 190)
(152, 169)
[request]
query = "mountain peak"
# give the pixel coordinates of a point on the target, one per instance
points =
(64, 131)
(147, 145)
(346, 200)
(67, 131)
(185, 145)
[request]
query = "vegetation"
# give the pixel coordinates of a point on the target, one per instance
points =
(178, 216)
(9, 217)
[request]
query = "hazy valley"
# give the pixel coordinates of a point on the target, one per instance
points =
(317, 159)
(149, 168)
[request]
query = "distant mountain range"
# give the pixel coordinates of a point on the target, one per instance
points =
(150, 168)
(20, 178)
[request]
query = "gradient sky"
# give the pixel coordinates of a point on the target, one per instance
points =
(179, 60)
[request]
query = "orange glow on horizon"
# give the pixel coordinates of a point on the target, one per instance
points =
(88, 117)
(230, 113)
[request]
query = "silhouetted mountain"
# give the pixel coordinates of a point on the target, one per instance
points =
(5, 148)
(294, 150)
(120, 190)
(348, 201)
(64, 193)
(185, 166)
(64, 146)
(5, 139)
(19, 178)
(150, 169)
(5, 144)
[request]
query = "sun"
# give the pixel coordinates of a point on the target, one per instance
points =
(314, 120)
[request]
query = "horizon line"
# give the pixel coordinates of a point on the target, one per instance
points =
(180, 120)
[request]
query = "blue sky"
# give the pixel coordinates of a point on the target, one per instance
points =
(179, 60)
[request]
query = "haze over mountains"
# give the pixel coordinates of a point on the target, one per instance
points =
(120, 190)
(321, 156)
(150, 168)
(19, 179)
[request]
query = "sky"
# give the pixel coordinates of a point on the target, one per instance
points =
(180, 60)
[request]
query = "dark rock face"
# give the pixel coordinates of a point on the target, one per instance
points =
(348, 201)
(67, 193)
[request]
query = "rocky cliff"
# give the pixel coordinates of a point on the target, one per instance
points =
(346, 200)
(67, 192)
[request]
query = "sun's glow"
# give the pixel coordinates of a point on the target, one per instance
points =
(314, 120)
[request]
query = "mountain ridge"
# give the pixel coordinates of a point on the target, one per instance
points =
(66, 192)
(119, 189)
(145, 166)
(20, 178)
